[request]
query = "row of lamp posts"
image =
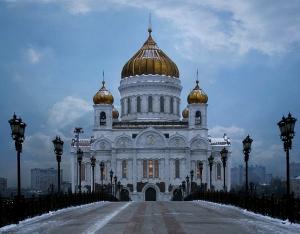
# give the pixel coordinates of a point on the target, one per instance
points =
(286, 126)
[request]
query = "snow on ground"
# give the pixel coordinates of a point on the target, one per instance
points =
(223, 207)
(98, 225)
(49, 214)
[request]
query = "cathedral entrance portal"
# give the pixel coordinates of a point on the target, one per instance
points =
(150, 194)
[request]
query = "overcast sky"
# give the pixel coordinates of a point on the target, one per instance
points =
(52, 54)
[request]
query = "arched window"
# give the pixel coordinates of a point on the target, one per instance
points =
(150, 106)
(138, 104)
(145, 174)
(198, 118)
(102, 118)
(150, 168)
(177, 168)
(128, 105)
(162, 104)
(124, 169)
(171, 105)
(219, 168)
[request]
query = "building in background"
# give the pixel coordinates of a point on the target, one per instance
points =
(256, 175)
(44, 180)
(295, 186)
(150, 146)
(294, 169)
(3, 185)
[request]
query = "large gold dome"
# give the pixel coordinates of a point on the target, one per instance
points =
(197, 95)
(150, 60)
(103, 96)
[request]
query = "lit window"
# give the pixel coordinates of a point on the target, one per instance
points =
(124, 169)
(156, 169)
(150, 167)
(177, 169)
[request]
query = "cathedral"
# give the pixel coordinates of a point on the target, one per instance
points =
(150, 147)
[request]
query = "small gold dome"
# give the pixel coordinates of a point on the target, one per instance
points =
(115, 113)
(185, 113)
(103, 96)
(197, 95)
(150, 60)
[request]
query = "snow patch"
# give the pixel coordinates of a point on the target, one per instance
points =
(49, 214)
(98, 225)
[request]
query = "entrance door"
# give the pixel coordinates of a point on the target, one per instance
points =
(150, 194)
(124, 195)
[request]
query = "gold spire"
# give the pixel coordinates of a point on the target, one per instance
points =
(103, 96)
(185, 113)
(197, 95)
(150, 60)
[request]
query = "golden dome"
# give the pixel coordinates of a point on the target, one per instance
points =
(150, 60)
(103, 96)
(115, 113)
(197, 95)
(185, 113)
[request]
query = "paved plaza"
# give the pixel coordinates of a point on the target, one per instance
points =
(152, 217)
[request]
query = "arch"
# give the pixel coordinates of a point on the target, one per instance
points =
(150, 138)
(177, 141)
(153, 186)
(150, 194)
(102, 118)
(199, 142)
(124, 195)
(101, 143)
(123, 141)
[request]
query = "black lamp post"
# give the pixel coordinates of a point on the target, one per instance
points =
(187, 178)
(224, 153)
(183, 186)
(286, 127)
(79, 160)
(247, 149)
(210, 163)
(58, 149)
(101, 171)
(200, 166)
(18, 135)
(192, 177)
(75, 142)
(115, 179)
(111, 173)
(93, 164)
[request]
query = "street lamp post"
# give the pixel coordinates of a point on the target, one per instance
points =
(183, 187)
(58, 149)
(200, 166)
(115, 179)
(101, 170)
(224, 153)
(93, 164)
(247, 149)
(77, 132)
(79, 160)
(286, 127)
(210, 163)
(187, 178)
(192, 177)
(119, 189)
(18, 135)
(111, 173)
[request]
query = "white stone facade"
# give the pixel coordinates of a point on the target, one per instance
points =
(150, 146)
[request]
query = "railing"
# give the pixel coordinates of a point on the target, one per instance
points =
(15, 210)
(281, 208)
